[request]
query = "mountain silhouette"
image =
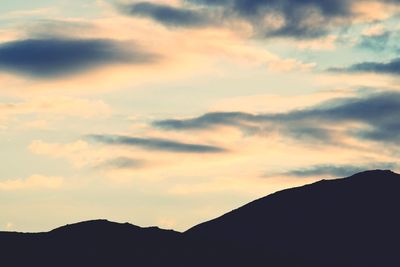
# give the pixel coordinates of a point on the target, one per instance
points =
(344, 222)
(352, 221)
(92, 243)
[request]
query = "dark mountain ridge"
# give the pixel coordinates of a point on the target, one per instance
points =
(352, 221)
(345, 222)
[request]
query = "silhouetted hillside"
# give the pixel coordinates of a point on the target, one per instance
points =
(353, 222)
(93, 243)
(103, 243)
(345, 222)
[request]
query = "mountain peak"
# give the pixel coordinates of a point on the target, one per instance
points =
(94, 225)
(361, 178)
(379, 172)
(378, 176)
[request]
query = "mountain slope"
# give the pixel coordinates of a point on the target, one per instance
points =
(93, 243)
(345, 222)
(103, 243)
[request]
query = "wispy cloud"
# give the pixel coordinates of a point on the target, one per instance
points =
(377, 113)
(120, 163)
(60, 106)
(391, 67)
(50, 109)
(32, 182)
(60, 28)
(155, 144)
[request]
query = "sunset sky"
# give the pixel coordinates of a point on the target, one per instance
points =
(173, 112)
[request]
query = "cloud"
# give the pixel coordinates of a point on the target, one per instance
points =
(169, 15)
(155, 144)
(32, 182)
(325, 43)
(374, 10)
(60, 106)
(50, 109)
(78, 153)
(207, 121)
(392, 67)
(376, 117)
(377, 42)
(120, 163)
(289, 18)
(55, 57)
(60, 28)
(81, 154)
(337, 170)
(268, 18)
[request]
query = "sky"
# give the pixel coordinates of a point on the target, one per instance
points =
(173, 112)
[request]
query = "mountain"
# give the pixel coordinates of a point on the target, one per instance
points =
(104, 243)
(352, 221)
(92, 243)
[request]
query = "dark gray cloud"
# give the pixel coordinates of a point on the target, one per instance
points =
(54, 57)
(378, 113)
(337, 170)
(299, 125)
(169, 15)
(155, 144)
(300, 19)
(281, 18)
(392, 67)
(120, 163)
